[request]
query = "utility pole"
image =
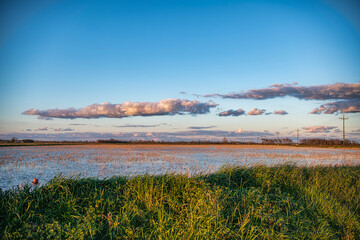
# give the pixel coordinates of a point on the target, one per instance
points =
(297, 136)
(343, 118)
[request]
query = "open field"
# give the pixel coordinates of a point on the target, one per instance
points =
(19, 165)
(279, 202)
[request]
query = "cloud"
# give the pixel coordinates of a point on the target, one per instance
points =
(319, 129)
(280, 112)
(196, 128)
(138, 126)
(240, 130)
(231, 112)
(127, 109)
(355, 132)
(256, 111)
(42, 129)
(217, 134)
(320, 92)
(78, 124)
(190, 135)
(46, 118)
(64, 129)
(347, 106)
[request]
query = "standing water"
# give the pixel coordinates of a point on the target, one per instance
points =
(19, 165)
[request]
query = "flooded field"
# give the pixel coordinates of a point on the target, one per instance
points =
(19, 165)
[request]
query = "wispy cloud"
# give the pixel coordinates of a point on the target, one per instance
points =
(355, 132)
(127, 109)
(280, 112)
(319, 129)
(320, 92)
(63, 129)
(199, 127)
(138, 126)
(346, 106)
(256, 111)
(232, 112)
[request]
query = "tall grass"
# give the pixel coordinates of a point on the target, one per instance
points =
(282, 202)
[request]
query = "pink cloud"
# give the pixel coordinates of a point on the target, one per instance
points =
(127, 109)
(256, 111)
(280, 112)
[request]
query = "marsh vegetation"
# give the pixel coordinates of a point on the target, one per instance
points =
(260, 202)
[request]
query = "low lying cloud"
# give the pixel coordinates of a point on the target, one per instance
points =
(355, 132)
(256, 111)
(197, 128)
(280, 112)
(190, 135)
(320, 92)
(127, 109)
(138, 126)
(63, 129)
(347, 106)
(42, 129)
(231, 112)
(319, 129)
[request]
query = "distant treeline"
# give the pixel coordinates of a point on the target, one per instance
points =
(310, 142)
(328, 142)
(264, 141)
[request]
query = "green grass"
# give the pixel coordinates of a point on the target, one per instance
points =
(283, 202)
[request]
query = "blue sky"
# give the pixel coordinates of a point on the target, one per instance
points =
(72, 54)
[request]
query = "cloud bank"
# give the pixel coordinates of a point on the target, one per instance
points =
(190, 135)
(320, 92)
(127, 109)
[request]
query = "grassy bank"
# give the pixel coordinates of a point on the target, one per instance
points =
(283, 202)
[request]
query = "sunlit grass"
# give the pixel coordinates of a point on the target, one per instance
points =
(282, 202)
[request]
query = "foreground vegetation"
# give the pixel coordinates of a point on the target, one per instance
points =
(283, 202)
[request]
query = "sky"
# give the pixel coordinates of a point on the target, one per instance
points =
(179, 70)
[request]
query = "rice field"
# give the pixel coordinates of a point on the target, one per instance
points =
(19, 165)
(179, 192)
